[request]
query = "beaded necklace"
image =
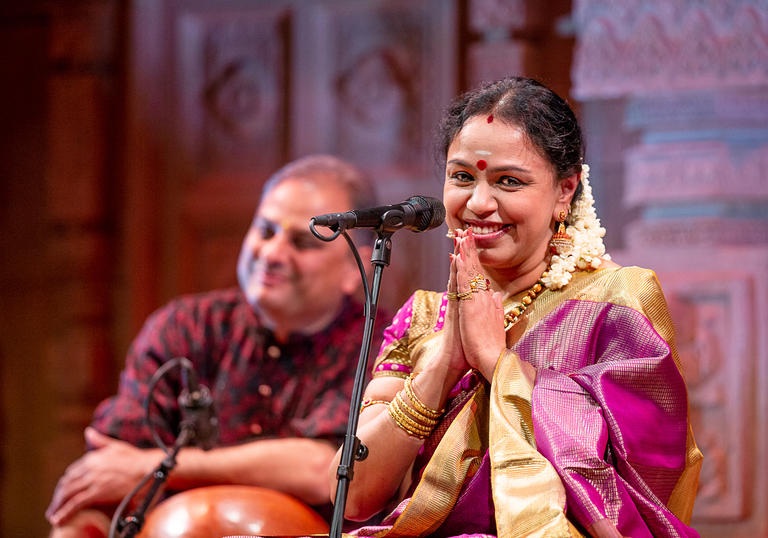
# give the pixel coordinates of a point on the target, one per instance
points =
(511, 317)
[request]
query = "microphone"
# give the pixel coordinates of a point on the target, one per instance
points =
(197, 411)
(417, 213)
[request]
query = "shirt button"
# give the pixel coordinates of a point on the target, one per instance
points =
(273, 352)
(256, 429)
(265, 390)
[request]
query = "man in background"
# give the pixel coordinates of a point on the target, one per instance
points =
(278, 355)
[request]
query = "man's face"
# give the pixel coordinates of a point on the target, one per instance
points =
(294, 280)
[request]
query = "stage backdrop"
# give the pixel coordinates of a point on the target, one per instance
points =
(138, 135)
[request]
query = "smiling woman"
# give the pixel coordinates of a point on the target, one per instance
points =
(527, 398)
(509, 203)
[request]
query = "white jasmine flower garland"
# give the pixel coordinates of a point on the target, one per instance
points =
(587, 236)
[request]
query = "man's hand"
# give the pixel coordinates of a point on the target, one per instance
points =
(102, 476)
(87, 523)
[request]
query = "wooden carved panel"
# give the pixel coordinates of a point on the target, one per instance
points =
(225, 93)
(720, 314)
(232, 87)
(231, 92)
(374, 80)
(685, 171)
(639, 47)
(715, 337)
(377, 95)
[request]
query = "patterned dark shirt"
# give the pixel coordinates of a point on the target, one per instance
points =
(261, 388)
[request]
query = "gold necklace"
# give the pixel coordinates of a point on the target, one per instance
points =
(516, 312)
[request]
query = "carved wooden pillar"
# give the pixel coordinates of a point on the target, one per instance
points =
(79, 176)
(675, 101)
(24, 291)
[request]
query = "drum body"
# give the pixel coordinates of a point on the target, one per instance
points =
(217, 511)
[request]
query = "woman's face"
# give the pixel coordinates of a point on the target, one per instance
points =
(500, 186)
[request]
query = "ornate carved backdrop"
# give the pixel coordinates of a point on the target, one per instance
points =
(142, 131)
(675, 101)
(243, 87)
(165, 117)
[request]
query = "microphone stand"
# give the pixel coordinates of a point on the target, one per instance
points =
(193, 403)
(352, 448)
(132, 524)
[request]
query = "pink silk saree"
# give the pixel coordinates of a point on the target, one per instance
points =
(601, 431)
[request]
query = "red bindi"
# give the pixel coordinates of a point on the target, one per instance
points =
(490, 118)
(481, 164)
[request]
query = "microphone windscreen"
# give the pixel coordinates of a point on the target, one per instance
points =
(431, 217)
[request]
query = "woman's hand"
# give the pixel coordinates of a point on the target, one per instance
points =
(481, 315)
(451, 350)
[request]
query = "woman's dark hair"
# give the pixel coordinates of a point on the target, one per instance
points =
(545, 117)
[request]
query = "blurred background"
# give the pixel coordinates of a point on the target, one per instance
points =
(136, 136)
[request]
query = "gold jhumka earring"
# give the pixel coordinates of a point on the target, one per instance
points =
(561, 243)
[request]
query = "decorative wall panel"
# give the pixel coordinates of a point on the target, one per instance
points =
(232, 87)
(229, 92)
(687, 85)
(373, 81)
(696, 169)
(713, 314)
(250, 85)
(660, 45)
(717, 308)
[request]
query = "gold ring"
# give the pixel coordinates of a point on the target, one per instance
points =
(479, 283)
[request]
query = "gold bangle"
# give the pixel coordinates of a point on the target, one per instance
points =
(406, 424)
(423, 420)
(401, 410)
(367, 403)
(417, 403)
(419, 434)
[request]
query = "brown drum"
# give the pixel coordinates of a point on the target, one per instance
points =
(216, 511)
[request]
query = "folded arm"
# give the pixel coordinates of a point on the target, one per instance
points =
(103, 476)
